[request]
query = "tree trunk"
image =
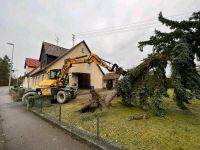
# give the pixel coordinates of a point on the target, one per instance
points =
(110, 97)
(96, 102)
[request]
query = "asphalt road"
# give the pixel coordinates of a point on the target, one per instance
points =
(22, 130)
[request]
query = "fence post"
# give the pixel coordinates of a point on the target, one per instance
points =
(59, 113)
(41, 105)
(97, 123)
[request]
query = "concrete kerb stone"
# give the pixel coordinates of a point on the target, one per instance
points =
(2, 137)
(82, 135)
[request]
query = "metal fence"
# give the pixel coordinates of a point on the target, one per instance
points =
(58, 112)
(117, 132)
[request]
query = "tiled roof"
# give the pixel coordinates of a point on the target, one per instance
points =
(34, 63)
(53, 50)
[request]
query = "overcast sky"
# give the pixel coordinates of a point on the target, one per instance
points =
(27, 23)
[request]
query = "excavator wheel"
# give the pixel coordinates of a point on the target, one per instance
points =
(63, 96)
(26, 96)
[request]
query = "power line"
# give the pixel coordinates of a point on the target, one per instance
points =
(124, 29)
(108, 29)
(118, 31)
(114, 29)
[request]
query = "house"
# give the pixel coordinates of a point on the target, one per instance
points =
(110, 80)
(81, 75)
(29, 65)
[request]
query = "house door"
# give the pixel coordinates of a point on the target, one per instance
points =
(83, 81)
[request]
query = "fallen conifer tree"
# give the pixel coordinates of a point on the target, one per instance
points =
(146, 84)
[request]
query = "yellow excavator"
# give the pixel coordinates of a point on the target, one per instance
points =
(57, 84)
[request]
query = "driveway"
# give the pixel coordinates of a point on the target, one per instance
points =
(22, 130)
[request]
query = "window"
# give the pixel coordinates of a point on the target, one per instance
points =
(55, 74)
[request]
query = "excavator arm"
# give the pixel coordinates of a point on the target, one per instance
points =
(92, 58)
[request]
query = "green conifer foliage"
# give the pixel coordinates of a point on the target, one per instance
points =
(146, 84)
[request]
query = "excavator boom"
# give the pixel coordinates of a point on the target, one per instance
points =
(92, 58)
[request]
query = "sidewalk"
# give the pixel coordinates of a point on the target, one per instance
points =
(25, 131)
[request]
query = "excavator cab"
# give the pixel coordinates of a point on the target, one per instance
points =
(54, 74)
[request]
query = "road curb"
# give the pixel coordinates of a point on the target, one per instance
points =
(89, 138)
(2, 136)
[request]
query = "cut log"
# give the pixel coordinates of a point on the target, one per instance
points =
(98, 102)
(139, 116)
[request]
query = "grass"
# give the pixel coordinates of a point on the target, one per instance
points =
(177, 130)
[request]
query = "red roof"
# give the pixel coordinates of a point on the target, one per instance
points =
(34, 63)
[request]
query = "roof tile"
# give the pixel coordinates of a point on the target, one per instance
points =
(54, 50)
(30, 62)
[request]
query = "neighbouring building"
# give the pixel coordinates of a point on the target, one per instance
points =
(29, 65)
(110, 80)
(52, 57)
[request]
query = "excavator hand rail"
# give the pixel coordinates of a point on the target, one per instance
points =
(106, 61)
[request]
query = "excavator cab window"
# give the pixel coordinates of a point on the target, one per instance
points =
(54, 74)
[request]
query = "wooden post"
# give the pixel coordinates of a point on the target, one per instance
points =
(41, 105)
(97, 125)
(59, 113)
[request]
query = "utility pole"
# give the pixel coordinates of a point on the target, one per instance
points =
(73, 39)
(13, 46)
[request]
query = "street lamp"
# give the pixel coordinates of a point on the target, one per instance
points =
(13, 45)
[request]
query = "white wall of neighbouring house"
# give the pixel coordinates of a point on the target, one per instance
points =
(25, 82)
(28, 81)
(28, 69)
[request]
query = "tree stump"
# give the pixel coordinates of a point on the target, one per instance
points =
(96, 102)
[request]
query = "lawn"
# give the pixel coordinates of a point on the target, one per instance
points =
(177, 130)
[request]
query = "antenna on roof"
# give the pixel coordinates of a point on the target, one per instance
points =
(73, 39)
(57, 40)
